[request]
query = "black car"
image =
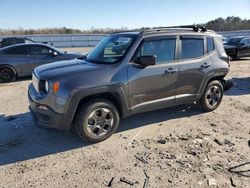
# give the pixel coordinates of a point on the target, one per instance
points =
(20, 59)
(237, 47)
(129, 73)
(8, 41)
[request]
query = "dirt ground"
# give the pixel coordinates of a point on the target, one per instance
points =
(176, 147)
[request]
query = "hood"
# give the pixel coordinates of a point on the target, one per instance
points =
(66, 68)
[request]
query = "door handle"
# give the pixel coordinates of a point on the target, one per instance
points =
(205, 65)
(170, 70)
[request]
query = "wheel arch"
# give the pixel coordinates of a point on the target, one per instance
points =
(105, 95)
(11, 66)
(114, 94)
(219, 77)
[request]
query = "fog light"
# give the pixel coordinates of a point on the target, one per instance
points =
(42, 107)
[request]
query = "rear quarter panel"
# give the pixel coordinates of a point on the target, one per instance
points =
(19, 63)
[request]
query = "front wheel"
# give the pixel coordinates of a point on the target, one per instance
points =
(96, 120)
(7, 74)
(212, 96)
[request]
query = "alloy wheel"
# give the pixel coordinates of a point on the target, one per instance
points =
(100, 122)
(213, 96)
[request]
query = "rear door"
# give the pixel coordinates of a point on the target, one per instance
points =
(18, 57)
(154, 86)
(194, 65)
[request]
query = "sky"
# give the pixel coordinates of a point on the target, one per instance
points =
(87, 14)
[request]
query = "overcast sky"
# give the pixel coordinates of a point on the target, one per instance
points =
(84, 14)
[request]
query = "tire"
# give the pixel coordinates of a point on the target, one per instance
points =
(7, 73)
(212, 96)
(96, 120)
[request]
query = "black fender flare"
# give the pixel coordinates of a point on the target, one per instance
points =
(115, 90)
(215, 76)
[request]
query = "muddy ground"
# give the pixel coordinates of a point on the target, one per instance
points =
(176, 147)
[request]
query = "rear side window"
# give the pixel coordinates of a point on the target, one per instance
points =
(164, 50)
(192, 47)
(210, 44)
(20, 50)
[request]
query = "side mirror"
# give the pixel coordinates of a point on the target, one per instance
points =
(55, 54)
(242, 44)
(146, 60)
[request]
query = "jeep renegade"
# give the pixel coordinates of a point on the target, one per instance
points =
(129, 73)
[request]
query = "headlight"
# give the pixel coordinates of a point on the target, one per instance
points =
(46, 86)
(43, 87)
(35, 82)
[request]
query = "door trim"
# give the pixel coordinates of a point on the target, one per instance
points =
(153, 105)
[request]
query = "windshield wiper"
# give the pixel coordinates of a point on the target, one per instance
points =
(82, 57)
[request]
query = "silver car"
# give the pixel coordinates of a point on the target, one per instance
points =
(21, 59)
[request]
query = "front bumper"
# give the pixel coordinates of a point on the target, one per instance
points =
(48, 118)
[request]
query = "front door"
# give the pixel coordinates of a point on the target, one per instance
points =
(154, 85)
(41, 55)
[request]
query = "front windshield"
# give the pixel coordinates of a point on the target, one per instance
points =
(111, 49)
(234, 41)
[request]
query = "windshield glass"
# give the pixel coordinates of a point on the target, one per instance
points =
(233, 41)
(111, 49)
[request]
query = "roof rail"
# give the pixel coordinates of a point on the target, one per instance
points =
(195, 28)
(188, 27)
(122, 31)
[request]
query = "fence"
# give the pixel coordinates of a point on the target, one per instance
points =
(66, 40)
(235, 33)
(83, 40)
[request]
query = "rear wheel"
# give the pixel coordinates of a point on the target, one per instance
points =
(7, 74)
(212, 96)
(96, 120)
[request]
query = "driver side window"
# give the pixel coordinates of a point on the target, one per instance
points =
(163, 49)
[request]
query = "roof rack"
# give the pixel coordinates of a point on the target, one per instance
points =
(195, 28)
(186, 27)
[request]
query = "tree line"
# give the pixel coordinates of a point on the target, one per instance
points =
(230, 23)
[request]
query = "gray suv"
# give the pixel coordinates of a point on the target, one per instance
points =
(129, 73)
